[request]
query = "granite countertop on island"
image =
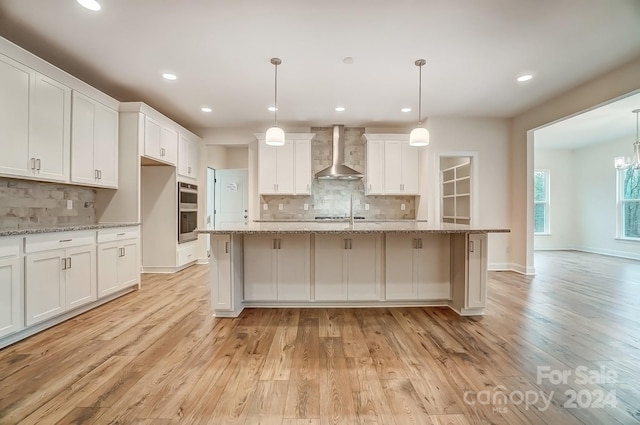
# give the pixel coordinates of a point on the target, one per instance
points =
(35, 229)
(341, 227)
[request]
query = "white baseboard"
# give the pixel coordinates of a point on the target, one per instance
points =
(518, 268)
(202, 261)
(499, 267)
(610, 253)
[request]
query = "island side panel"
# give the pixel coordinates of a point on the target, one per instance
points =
(226, 275)
(458, 249)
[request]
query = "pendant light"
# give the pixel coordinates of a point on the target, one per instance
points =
(419, 136)
(621, 162)
(275, 135)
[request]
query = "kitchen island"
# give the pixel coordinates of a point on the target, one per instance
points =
(348, 264)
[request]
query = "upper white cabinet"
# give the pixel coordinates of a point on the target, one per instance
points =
(34, 123)
(11, 304)
(188, 155)
(392, 165)
(277, 268)
(347, 268)
(160, 142)
(94, 143)
(285, 170)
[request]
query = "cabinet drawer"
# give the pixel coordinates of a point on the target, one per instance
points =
(118, 234)
(186, 255)
(58, 240)
(10, 247)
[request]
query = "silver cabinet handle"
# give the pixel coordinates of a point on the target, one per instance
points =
(100, 174)
(38, 164)
(414, 242)
(226, 247)
(121, 234)
(346, 244)
(419, 243)
(275, 244)
(95, 174)
(68, 262)
(65, 240)
(189, 170)
(64, 263)
(33, 163)
(279, 243)
(471, 246)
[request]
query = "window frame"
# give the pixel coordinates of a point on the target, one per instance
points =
(620, 201)
(546, 202)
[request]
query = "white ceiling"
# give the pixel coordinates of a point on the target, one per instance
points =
(220, 51)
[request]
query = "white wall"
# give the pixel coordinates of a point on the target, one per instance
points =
(615, 83)
(237, 157)
(559, 162)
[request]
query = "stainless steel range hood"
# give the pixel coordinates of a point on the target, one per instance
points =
(338, 170)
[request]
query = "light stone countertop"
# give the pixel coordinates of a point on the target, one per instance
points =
(30, 230)
(342, 227)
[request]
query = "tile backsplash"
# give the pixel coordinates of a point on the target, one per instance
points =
(333, 197)
(25, 203)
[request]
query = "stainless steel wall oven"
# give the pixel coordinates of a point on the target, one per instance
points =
(187, 212)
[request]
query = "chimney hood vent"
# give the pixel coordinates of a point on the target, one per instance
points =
(337, 169)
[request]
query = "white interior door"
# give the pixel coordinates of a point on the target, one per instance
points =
(231, 197)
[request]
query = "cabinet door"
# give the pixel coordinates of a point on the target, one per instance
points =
(259, 268)
(80, 276)
(284, 168)
(128, 264)
(44, 286)
(410, 169)
(302, 165)
(375, 168)
(152, 138)
(433, 267)
(331, 268)
(108, 264)
(105, 149)
(401, 270)
(184, 160)
(15, 83)
(393, 167)
(364, 268)
(293, 268)
(49, 128)
(168, 145)
(220, 274)
(477, 271)
(10, 296)
(267, 165)
(82, 140)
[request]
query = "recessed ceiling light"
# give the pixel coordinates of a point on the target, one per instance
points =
(340, 109)
(272, 108)
(525, 77)
(348, 60)
(406, 109)
(206, 109)
(90, 4)
(169, 76)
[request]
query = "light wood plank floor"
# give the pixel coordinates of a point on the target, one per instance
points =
(157, 357)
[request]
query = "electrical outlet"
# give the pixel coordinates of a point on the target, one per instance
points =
(306, 207)
(280, 207)
(403, 207)
(69, 204)
(366, 207)
(265, 207)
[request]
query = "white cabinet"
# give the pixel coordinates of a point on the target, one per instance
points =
(188, 155)
(118, 259)
(374, 177)
(393, 166)
(275, 169)
(94, 143)
(160, 142)
(400, 168)
(285, 170)
(277, 267)
(417, 267)
(34, 124)
(347, 267)
(226, 275)
(60, 274)
(11, 283)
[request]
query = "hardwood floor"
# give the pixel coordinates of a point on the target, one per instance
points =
(157, 357)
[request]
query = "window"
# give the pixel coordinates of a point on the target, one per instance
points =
(629, 203)
(541, 202)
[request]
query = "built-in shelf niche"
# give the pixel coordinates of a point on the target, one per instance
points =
(455, 177)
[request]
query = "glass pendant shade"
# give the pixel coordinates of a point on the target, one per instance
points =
(419, 136)
(274, 136)
(622, 163)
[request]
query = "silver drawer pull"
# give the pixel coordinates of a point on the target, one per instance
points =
(121, 234)
(66, 240)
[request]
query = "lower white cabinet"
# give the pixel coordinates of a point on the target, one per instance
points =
(347, 267)
(118, 260)
(277, 268)
(417, 267)
(226, 274)
(60, 274)
(11, 304)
